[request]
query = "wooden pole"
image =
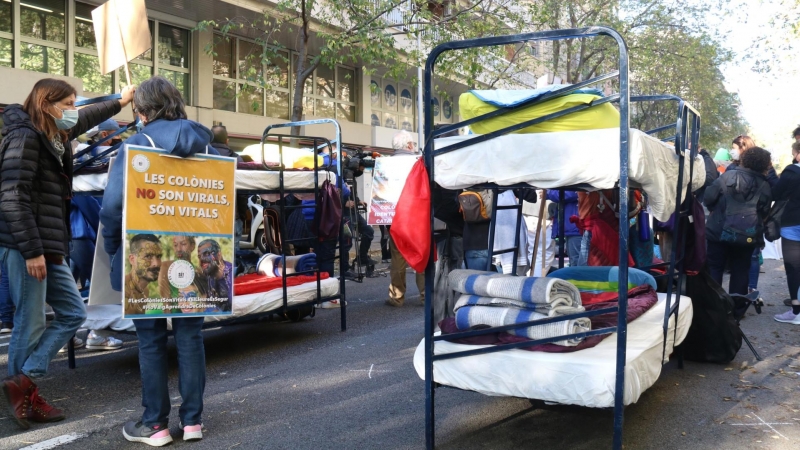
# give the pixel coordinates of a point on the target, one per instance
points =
(538, 232)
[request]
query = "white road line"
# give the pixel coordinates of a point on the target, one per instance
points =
(55, 442)
(770, 426)
(370, 371)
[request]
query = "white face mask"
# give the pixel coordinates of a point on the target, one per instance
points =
(735, 154)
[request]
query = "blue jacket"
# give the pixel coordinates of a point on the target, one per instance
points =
(308, 213)
(84, 217)
(178, 137)
(570, 209)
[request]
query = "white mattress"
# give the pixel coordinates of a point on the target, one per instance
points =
(585, 378)
(245, 179)
(109, 317)
(567, 158)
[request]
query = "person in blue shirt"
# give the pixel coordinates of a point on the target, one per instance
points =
(571, 231)
(161, 110)
(788, 189)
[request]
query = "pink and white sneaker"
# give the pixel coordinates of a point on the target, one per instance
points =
(192, 432)
(788, 317)
(155, 436)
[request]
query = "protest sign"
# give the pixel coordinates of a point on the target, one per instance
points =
(389, 177)
(178, 234)
(121, 32)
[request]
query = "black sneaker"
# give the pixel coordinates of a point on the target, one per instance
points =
(156, 436)
(787, 302)
(6, 327)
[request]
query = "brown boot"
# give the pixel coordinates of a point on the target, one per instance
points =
(17, 393)
(41, 411)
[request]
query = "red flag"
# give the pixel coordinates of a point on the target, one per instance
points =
(411, 226)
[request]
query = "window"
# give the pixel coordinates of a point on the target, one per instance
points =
(393, 104)
(239, 68)
(329, 92)
(86, 62)
(5, 16)
(42, 29)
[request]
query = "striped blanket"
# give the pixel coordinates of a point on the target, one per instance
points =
(558, 307)
(495, 316)
(529, 290)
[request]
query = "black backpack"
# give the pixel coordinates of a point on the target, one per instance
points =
(714, 335)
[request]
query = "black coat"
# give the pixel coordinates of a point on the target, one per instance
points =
(737, 187)
(788, 188)
(711, 174)
(34, 187)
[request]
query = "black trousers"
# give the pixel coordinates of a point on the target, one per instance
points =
(791, 261)
(737, 257)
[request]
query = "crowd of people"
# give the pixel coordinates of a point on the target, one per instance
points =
(47, 239)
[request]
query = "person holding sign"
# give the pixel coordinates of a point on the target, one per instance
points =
(36, 180)
(161, 110)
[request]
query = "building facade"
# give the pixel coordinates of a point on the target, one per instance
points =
(55, 38)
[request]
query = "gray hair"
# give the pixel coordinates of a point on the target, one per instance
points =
(157, 98)
(401, 140)
(214, 244)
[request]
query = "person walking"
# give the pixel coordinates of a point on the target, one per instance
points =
(739, 201)
(35, 188)
(160, 108)
(788, 189)
(572, 243)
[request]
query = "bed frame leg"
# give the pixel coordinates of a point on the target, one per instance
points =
(430, 418)
(752, 349)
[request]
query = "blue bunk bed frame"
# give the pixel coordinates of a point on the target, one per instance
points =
(687, 130)
(284, 210)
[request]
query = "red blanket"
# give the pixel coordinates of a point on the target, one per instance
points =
(640, 300)
(255, 283)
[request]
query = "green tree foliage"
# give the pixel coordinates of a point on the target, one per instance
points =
(671, 51)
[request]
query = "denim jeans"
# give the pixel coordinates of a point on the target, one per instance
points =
(586, 242)
(152, 334)
(6, 305)
(81, 259)
(33, 342)
(755, 268)
(477, 259)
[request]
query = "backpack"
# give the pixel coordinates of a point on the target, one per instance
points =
(742, 224)
(476, 206)
(714, 335)
(328, 214)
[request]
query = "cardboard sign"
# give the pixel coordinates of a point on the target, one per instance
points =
(178, 220)
(389, 177)
(121, 31)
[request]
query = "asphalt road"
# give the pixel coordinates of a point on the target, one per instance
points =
(310, 386)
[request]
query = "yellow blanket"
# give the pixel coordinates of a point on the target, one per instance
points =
(602, 116)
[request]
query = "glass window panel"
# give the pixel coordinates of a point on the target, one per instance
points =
(345, 113)
(375, 93)
(325, 109)
(179, 79)
(390, 95)
(5, 15)
(407, 123)
(223, 62)
(325, 81)
(346, 87)
(278, 104)
(41, 59)
(375, 119)
(87, 68)
(139, 73)
(84, 30)
(308, 105)
(251, 100)
(277, 74)
(43, 19)
(173, 46)
(406, 100)
(224, 95)
(390, 120)
(249, 61)
(6, 53)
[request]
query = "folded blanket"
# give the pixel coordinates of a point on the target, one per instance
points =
(272, 265)
(640, 300)
(559, 307)
(256, 283)
(530, 290)
(493, 316)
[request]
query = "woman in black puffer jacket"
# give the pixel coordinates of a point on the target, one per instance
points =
(35, 188)
(739, 201)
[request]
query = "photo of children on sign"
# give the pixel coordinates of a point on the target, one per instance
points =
(178, 228)
(389, 177)
(178, 274)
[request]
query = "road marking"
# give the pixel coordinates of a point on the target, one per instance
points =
(763, 423)
(55, 442)
(370, 371)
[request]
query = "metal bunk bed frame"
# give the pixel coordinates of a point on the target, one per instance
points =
(283, 209)
(688, 121)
